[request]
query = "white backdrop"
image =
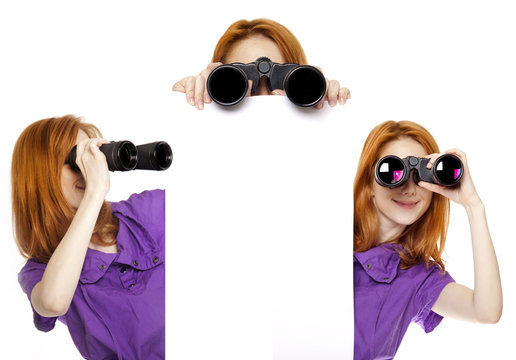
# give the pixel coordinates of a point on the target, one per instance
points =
(447, 65)
(259, 205)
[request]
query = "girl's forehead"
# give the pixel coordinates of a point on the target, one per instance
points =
(403, 147)
(251, 48)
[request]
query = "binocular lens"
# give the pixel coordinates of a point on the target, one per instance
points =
(390, 171)
(163, 155)
(120, 155)
(448, 169)
(305, 86)
(227, 85)
(154, 156)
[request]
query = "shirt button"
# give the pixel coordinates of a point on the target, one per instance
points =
(155, 260)
(386, 278)
(123, 270)
(101, 267)
(135, 263)
(131, 286)
(368, 266)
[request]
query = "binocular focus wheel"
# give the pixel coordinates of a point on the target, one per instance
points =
(227, 85)
(305, 86)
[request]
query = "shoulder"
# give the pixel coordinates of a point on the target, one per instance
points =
(143, 206)
(142, 219)
(430, 274)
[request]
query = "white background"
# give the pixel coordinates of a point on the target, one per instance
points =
(258, 207)
(448, 65)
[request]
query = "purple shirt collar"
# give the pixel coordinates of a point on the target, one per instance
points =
(380, 263)
(142, 255)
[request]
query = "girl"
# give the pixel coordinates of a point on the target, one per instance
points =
(245, 41)
(97, 267)
(399, 237)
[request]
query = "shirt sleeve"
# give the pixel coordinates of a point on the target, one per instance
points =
(427, 295)
(28, 277)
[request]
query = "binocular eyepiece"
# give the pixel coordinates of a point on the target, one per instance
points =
(125, 156)
(304, 84)
(391, 171)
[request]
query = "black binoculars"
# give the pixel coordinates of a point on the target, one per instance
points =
(304, 84)
(125, 156)
(391, 171)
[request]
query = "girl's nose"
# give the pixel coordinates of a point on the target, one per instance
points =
(410, 186)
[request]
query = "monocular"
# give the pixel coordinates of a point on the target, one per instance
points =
(304, 85)
(392, 171)
(125, 156)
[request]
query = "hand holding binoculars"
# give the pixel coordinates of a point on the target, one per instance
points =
(125, 156)
(392, 171)
(304, 84)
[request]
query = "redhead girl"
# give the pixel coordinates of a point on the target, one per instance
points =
(398, 238)
(245, 41)
(96, 266)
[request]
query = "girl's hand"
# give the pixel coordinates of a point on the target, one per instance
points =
(464, 192)
(93, 165)
(334, 94)
(195, 87)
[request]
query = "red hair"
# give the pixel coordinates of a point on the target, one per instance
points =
(423, 240)
(41, 215)
(288, 44)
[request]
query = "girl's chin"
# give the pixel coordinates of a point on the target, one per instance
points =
(406, 221)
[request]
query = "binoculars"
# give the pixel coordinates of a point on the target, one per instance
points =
(125, 156)
(391, 171)
(304, 84)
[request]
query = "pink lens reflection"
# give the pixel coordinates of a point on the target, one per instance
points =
(397, 175)
(456, 173)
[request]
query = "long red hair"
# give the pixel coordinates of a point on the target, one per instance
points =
(423, 240)
(288, 44)
(41, 215)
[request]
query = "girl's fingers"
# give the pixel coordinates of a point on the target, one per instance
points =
(212, 66)
(278, 92)
(432, 158)
(344, 95)
(249, 87)
(459, 153)
(180, 85)
(189, 90)
(333, 92)
(199, 92)
(433, 187)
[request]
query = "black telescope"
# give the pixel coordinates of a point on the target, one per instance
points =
(125, 156)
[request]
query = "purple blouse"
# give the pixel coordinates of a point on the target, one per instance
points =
(387, 299)
(118, 309)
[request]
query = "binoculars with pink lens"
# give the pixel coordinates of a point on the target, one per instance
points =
(304, 85)
(392, 171)
(125, 156)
